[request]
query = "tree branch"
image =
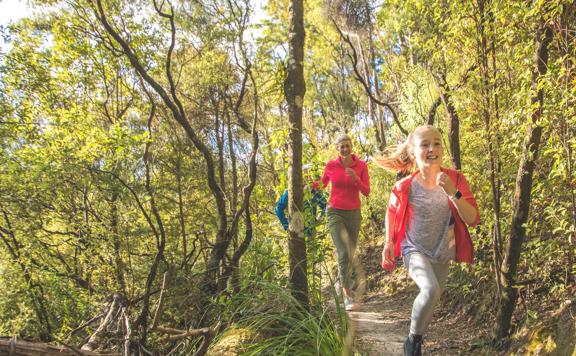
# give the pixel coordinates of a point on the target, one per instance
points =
(360, 78)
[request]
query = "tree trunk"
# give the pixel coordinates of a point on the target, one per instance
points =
(160, 235)
(433, 110)
(567, 131)
(117, 243)
(380, 111)
(523, 190)
(181, 213)
(235, 278)
(489, 89)
(294, 90)
(453, 127)
(495, 162)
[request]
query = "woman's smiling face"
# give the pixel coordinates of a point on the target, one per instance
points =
(428, 149)
(345, 148)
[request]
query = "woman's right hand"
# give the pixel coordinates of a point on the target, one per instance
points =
(388, 262)
(350, 173)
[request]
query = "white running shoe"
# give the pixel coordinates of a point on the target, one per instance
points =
(349, 304)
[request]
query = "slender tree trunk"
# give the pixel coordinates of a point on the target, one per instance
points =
(294, 90)
(495, 162)
(453, 126)
(567, 131)
(219, 133)
(181, 216)
(433, 109)
(371, 78)
(118, 262)
(523, 190)
(234, 169)
(142, 322)
(235, 278)
(380, 111)
(487, 89)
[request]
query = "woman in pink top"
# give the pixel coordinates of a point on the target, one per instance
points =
(348, 176)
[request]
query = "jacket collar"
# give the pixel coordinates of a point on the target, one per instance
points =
(354, 160)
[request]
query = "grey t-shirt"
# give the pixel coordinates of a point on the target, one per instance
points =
(430, 231)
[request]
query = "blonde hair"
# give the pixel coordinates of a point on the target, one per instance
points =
(342, 138)
(400, 158)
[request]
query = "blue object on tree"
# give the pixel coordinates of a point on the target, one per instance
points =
(313, 199)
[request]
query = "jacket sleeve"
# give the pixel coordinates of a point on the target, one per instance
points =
(391, 213)
(325, 177)
(464, 188)
(363, 182)
(279, 209)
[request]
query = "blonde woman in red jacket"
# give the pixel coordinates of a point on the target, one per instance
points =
(426, 223)
(348, 176)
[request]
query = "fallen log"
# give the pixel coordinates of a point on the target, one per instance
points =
(14, 347)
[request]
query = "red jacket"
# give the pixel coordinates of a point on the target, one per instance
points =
(344, 193)
(400, 212)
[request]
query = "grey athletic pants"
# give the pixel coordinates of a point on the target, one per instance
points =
(344, 226)
(431, 279)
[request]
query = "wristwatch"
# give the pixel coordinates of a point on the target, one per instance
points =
(456, 195)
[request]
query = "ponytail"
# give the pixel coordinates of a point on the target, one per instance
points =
(399, 158)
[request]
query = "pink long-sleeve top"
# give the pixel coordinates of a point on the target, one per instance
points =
(344, 194)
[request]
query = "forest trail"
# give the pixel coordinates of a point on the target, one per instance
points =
(382, 319)
(380, 325)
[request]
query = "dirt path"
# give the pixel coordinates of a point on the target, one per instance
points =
(380, 325)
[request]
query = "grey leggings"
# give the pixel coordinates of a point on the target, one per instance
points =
(431, 279)
(344, 226)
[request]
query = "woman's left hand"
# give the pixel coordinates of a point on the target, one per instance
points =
(467, 211)
(444, 181)
(388, 262)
